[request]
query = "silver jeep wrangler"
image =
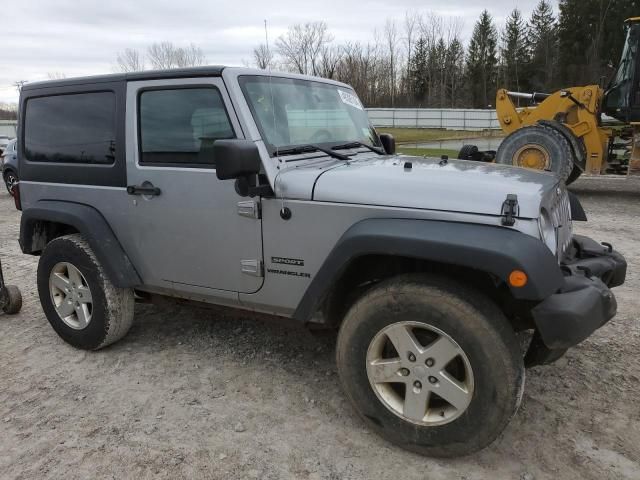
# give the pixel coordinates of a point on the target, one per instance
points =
(274, 194)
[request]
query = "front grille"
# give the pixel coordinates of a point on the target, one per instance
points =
(561, 217)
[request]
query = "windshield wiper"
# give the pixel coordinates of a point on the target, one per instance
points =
(379, 151)
(312, 148)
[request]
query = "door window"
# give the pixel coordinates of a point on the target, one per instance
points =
(179, 126)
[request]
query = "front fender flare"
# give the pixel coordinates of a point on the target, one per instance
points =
(92, 225)
(491, 249)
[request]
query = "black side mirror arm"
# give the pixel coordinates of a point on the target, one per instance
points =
(253, 186)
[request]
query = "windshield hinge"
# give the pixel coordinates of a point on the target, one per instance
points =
(510, 210)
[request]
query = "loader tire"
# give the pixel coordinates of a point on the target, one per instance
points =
(539, 148)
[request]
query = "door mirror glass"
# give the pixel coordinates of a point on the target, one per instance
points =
(236, 158)
(388, 143)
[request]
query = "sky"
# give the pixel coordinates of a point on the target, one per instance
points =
(83, 37)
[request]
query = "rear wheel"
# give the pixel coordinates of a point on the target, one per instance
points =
(431, 365)
(80, 302)
(538, 148)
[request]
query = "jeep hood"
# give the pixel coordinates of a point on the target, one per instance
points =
(421, 183)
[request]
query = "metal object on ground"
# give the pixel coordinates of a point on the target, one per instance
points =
(10, 296)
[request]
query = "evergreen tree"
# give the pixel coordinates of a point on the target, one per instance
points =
(418, 66)
(455, 65)
(591, 36)
(515, 53)
(543, 37)
(482, 62)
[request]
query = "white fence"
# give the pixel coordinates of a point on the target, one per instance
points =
(8, 128)
(449, 119)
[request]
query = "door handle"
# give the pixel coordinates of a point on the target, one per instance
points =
(143, 190)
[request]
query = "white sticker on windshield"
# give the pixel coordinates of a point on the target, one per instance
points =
(350, 99)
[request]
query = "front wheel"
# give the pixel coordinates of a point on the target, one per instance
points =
(431, 365)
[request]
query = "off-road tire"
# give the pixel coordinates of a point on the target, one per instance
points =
(468, 152)
(553, 142)
(469, 318)
(13, 299)
(112, 308)
(577, 146)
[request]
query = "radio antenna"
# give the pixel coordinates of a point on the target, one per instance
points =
(273, 106)
(273, 111)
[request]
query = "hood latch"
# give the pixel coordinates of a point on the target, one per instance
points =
(510, 210)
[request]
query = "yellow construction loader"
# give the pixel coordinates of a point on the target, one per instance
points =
(563, 132)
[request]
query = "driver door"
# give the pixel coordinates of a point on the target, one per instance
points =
(188, 230)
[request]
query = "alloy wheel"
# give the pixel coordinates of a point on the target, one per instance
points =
(71, 295)
(420, 373)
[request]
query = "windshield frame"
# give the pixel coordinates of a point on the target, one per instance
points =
(272, 149)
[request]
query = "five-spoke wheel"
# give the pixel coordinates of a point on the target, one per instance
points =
(71, 295)
(420, 373)
(79, 300)
(431, 364)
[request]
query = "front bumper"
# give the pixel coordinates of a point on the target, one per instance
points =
(582, 305)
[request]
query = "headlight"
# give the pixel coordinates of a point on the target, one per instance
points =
(548, 231)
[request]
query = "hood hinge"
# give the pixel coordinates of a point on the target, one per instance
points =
(510, 210)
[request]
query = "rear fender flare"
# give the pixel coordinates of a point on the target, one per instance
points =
(91, 225)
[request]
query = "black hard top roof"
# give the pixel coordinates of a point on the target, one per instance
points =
(208, 71)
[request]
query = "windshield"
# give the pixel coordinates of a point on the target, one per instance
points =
(292, 112)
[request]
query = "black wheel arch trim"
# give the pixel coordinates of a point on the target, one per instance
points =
(88, 222)
(492, 249)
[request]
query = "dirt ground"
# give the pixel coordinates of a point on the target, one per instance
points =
(193, 394)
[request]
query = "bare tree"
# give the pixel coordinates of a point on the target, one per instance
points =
(391, 43)
(8, 111)
(130, 60)
(18, 84)
(262, 56)
(164, 55)
(302, 46)
(190, 56)
(56, 75)
(161, 55)
(330, 58)
(412, 21)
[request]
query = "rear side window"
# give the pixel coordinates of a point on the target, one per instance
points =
(179, 126)
(77, 128)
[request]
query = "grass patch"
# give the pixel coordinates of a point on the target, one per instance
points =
(412, 135)
(428, 152)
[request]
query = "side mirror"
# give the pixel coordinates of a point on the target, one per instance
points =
(388, 143)
(236, 158)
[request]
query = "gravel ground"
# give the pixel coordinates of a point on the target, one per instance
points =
(196, 394)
